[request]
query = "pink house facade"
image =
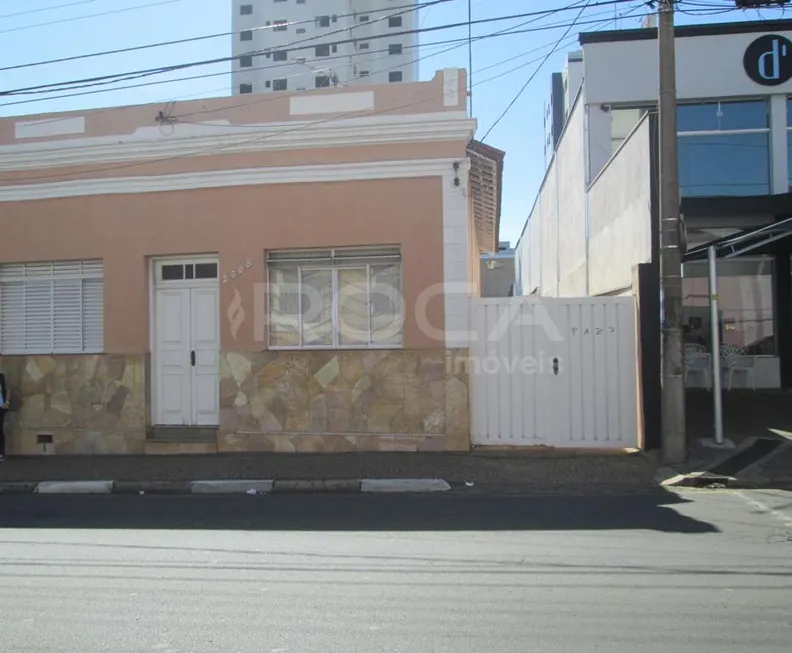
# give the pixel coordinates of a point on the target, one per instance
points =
(289, 272)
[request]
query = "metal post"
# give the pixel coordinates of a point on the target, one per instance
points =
(673, 380)
(715, 339)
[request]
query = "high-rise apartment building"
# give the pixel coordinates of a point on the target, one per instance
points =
(296, 45)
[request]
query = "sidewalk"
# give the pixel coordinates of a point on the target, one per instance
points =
(472, 472)
(750, 420)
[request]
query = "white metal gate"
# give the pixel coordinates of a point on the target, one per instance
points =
(554, 372)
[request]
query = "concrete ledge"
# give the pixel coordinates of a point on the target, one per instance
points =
(231, 487)
(404, 485)
(75, 487)
(336, 485)
(18, 487)
(151, 487)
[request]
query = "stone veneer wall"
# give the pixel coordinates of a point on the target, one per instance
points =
(303, 401)
(361, 400)
(88, 403)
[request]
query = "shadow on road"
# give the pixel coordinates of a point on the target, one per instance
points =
(355, 512)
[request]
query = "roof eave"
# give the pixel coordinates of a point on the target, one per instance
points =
(486, 184)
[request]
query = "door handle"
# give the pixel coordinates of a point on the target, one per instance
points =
(192, 358)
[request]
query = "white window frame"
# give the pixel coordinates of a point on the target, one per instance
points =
(393, 257)
(54, 272)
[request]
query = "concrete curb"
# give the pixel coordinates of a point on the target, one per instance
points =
(334, 485)
(404, 485)
(704, 478)
(231, 486)
(75, 487)
(716, 481)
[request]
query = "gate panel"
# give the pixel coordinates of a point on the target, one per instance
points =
(555, 372)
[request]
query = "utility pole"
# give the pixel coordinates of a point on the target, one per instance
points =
(674, 439)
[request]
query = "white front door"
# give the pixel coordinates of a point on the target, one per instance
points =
(205, 381)
(187, 346)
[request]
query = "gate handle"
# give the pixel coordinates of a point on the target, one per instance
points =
(192, 358)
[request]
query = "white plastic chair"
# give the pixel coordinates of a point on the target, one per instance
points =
(697, 361)
(734, 361)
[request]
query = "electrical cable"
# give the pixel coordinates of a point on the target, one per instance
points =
(342, 116)
(193, 39)
(460, 41)
(503, 32)
(104, 13)
(183, 66)
(535, 73)
(433, 96)
(269, 97)
(517, 29)
(50, 8)
(134, 75)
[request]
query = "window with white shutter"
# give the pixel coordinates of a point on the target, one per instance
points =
(52, 308)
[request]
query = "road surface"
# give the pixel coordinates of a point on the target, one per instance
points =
(702, 571)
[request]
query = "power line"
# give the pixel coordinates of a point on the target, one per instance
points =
(178, 118)
(535, 73)
(509, 31)
(505, 32)
(341, 116)
(50, 8)
(104, 13)
(133, 75)
(412, 6)
(502, 32)
(166, 69)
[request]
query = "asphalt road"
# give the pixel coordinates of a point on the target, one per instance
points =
(702, 571)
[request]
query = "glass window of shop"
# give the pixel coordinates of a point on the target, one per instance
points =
(746, 304)
(724, 148)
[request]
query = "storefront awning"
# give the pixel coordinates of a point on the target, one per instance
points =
(751, 241)
(486, 181)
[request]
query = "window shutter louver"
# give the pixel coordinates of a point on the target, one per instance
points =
(52, 307)
(93, 315)
(12, 317)
(67, 316)
(38, 317)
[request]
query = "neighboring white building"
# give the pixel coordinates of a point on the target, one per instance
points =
(306, 44)
(593, 228)
(565, 86)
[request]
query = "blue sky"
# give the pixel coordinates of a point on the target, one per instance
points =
(23, 39)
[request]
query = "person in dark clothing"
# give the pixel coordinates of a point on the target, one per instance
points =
(3, 411)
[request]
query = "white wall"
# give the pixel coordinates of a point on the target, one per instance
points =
(619, 206)
(551, 253)
(545, 228)
(600, 138)
(570, 166)
(707, 67)
(573, 78)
